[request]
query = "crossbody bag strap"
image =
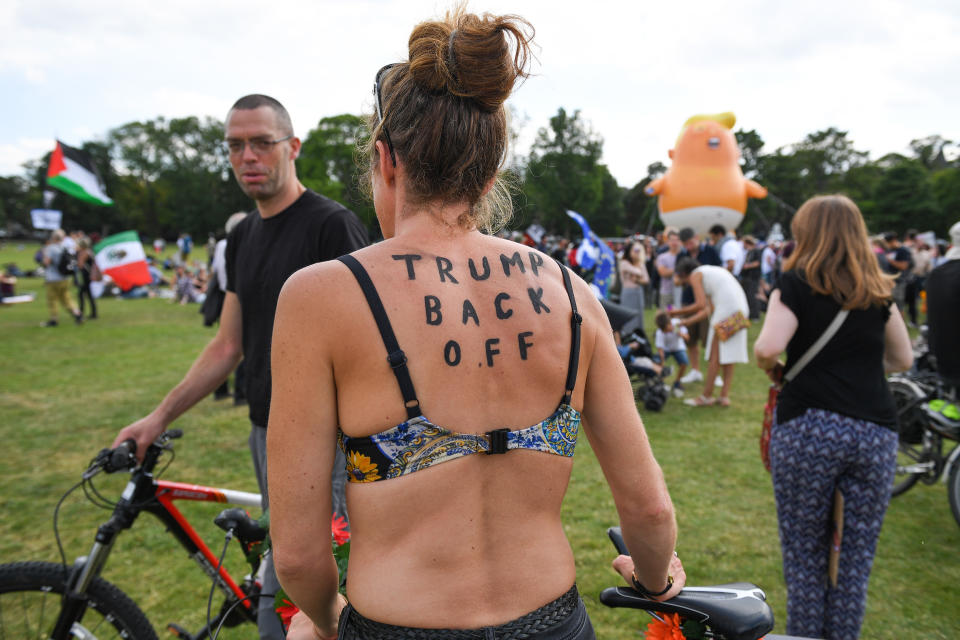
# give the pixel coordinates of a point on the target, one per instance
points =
(817, 346)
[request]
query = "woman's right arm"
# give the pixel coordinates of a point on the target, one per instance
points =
(778, 329)
(897, 352)
(620, 443)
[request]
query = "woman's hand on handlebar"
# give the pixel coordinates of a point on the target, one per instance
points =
(624, 566)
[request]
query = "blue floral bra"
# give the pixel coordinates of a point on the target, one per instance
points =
(417, 443)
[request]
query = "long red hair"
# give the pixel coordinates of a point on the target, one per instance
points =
(833, 252)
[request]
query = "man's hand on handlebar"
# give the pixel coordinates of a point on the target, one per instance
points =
(144, 431)
(623, 565)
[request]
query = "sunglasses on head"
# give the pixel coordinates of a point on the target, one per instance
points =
(378, 100)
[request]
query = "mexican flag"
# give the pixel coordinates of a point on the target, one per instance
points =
(121, 257)
(72, 172)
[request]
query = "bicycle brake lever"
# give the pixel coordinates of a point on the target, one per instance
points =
(163, 440)
(96, 465)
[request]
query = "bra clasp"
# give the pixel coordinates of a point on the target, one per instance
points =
(498, 441)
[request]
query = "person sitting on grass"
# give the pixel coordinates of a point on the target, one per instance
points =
(670, 341)
(186, 288)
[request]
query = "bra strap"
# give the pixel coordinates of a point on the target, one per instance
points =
(575, 321)
(395, 356)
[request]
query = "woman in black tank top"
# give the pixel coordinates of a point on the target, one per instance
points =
(453, 368)
(834, 437)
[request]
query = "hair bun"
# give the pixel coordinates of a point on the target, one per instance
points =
(469, 55)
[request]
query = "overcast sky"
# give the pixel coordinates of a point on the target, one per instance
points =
(887, 71)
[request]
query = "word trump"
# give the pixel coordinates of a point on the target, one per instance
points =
(503, 304)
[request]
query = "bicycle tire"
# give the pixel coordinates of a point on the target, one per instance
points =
(910, 418)
(953, 491)
(30, 597)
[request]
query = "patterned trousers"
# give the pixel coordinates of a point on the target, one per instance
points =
(811, 456)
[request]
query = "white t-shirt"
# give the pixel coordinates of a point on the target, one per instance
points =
(767, 260)
(672, 341)
(219, 265)
(733, 250)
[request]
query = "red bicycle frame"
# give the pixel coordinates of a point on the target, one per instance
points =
(166, 492)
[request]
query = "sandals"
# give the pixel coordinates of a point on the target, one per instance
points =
(701, 401)
(723, 402)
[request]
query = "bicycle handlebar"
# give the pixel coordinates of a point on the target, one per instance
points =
(737, 611)
(123, 457)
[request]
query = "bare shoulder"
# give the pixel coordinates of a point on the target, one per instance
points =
(587, 302)
(316, 295)
(309, 283)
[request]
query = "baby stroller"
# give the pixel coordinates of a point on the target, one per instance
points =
(637, 354)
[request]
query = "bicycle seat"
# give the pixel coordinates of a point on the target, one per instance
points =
(737, 611)
(944, 417)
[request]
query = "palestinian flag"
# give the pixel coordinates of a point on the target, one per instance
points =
(72, 172)
(121, 257)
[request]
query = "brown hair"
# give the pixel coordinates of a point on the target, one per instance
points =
(257, 100)
(662, 319)
(833, 253)
(628, 252)
(444, 111)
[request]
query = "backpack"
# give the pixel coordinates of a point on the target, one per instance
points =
(67, 264)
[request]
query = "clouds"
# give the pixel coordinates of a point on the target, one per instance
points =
(883, 70)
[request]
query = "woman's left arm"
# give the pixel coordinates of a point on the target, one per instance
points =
(778, 329)
(301, 441)
(897, 352)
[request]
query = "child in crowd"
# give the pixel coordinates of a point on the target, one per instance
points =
(636, 354)
(669, 342)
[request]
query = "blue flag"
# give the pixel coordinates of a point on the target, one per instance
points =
(594, 253)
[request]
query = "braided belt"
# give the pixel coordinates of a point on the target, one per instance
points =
(547, 616)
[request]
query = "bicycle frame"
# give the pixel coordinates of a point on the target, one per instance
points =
(167, 492)
(144, 493)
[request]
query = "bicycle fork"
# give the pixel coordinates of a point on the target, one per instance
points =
(86, 568)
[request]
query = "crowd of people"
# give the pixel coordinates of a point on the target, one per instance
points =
(73, 282)
(349, 347)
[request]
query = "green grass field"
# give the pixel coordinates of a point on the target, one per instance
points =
(66, 391)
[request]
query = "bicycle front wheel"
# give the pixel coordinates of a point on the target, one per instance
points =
(30, 597)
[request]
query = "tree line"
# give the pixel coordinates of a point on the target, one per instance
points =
(169, 176)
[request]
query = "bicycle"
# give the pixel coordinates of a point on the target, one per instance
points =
(923, 399)
(83, 605)
(735, 611)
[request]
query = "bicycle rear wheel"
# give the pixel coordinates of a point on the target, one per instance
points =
(914, 455)
(30, 597)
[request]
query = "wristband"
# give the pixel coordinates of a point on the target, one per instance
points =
(646, 592)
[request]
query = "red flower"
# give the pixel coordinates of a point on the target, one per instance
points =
(286, 611)
(338, 527)
(669, 629)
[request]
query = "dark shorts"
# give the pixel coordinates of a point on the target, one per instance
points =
(563, 619)
(699, 331)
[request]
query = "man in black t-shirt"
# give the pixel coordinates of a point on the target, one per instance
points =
(943, 318)
(291, 228)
